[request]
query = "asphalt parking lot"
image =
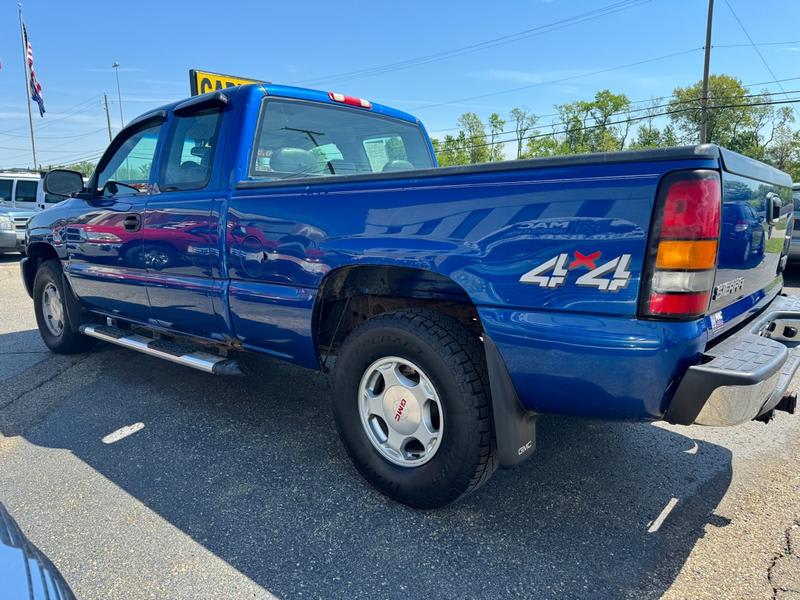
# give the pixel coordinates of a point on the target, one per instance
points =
(239, 488)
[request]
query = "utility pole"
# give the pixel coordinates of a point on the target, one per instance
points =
(115, 66)
(108, 117)
(27, 73)
(704, 98)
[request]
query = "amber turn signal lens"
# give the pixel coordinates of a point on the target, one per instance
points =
(679, 254)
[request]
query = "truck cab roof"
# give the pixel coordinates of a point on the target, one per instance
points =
(288, 91)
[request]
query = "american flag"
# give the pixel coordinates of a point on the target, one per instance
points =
(36, 88)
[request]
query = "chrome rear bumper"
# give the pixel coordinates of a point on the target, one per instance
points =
(745, 375)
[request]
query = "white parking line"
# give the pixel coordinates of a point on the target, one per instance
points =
(122, 432)
(655, 525)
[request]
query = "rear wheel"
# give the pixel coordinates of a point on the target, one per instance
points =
(413, 409)
(50, 300)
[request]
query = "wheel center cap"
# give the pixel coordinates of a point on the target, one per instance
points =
(402, 410)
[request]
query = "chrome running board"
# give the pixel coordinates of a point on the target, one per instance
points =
(181, 354)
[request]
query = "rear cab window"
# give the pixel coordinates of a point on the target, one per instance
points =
(297, 139)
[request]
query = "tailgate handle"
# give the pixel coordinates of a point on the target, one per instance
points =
(775, 204)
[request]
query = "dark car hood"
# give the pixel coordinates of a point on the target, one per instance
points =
(26, 573)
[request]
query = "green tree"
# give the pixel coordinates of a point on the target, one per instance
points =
(475, 134)
(783, 147)
(452, 150)
(595, 125)
(648, 133)
(85, 167)
(496, 125)
(732, 119)
(523, 122)
(540, 145)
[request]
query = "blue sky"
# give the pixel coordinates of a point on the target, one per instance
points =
(307, 43)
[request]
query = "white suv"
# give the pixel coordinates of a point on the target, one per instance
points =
(22, 190)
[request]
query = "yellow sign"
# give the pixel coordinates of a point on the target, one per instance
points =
(202, 82)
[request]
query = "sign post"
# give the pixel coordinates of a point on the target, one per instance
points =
(202, 82)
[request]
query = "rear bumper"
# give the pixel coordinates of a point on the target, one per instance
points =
(746, 374)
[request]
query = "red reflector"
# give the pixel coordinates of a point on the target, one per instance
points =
(351, 100)
(692, 209)
(679, 304)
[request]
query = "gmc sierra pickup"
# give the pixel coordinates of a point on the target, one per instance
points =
(458, 304)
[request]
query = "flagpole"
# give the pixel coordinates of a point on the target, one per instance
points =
(27, 86)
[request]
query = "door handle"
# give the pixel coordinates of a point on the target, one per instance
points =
(132, 223)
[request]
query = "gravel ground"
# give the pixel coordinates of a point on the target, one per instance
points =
(239, 488)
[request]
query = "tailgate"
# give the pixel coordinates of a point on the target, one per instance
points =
(754, 239)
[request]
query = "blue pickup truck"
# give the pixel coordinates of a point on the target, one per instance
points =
(454, 305)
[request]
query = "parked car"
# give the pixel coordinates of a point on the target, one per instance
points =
(460, 303)
(26, 573)
(23, 191)
(18, 190)
(744, 231)
(12, 228)
(794, 247)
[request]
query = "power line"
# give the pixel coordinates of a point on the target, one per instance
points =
(513, 37)
(652, 107)
(78, 110)
(636, 119)
(785, 43)
(561, 80)
(761, 56)
(671, 103)
(57, 137)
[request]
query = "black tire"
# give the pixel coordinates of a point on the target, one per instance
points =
(453, 358)
(70, 340)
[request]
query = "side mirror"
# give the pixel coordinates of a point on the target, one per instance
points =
(61, 182)
(774, 205)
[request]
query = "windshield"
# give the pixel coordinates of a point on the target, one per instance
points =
(796, 199)
(303, 139)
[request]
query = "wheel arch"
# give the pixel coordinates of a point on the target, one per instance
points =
(36, 254)
(352, 294)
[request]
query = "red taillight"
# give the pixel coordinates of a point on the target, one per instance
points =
(691, 209)
(352, 101)
(683, 246)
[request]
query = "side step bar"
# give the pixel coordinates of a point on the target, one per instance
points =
(174, 352)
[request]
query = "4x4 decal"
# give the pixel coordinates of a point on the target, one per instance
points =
(610, 276)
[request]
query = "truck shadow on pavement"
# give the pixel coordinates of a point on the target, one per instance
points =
(6, 258)
(253, 470)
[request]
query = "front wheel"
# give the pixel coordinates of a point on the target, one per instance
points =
(412, 406)
(58, 332)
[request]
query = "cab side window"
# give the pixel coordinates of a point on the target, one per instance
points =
(5, 189)
(131, 163)
(190, 152)
(26, 190)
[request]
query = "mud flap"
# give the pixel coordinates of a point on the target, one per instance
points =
(514, 427)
